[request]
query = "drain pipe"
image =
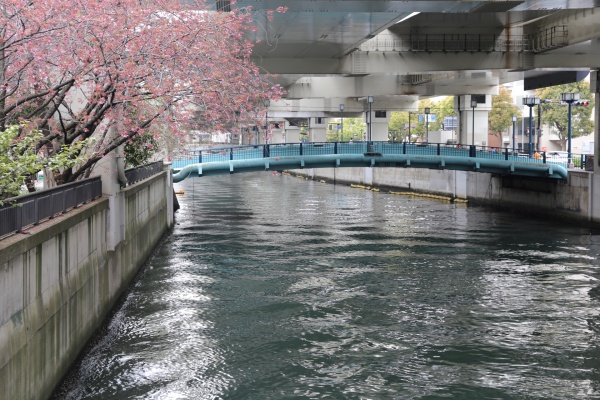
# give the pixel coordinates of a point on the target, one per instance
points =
(120, 158)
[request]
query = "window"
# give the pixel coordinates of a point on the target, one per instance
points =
(380, 114)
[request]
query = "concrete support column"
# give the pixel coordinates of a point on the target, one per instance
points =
(318, 129)
(595, 177)
(108, 169)
(379, 125)
(595, 91)
(111, 168)
(473, 121)
(236, 137)
(250, 135)
(292, 133)
(380, 131)
(244, 133)
(277, 129)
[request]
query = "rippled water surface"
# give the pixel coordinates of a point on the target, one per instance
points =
(274, 287)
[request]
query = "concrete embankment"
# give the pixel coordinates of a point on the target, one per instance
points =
(59, 279)
(572, 200)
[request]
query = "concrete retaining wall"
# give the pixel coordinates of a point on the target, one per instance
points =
(59, 280)
(570, 201)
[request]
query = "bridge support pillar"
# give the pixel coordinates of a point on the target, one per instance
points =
(291, 133)
(250, 135)
(379, 125)
(317, 128)
(244, 133)
(595, 91)
(473, 120)
(595, 184)
(277, 132)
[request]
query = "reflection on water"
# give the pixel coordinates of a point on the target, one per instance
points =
(273, 287)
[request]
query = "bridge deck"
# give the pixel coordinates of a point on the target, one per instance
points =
(287, 156)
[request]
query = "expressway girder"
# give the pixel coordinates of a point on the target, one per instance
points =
(386, 85)
(328, 37)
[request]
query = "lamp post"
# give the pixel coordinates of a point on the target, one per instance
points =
(342, 108)
(370, 100)
(514, 135)
(427, 111)
(569, 98)
(530, 101)
(267, 103)
(473, 106)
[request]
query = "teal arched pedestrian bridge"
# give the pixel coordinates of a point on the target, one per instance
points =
(288, 156)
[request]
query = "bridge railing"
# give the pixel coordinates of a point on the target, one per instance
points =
(550, 38)
(579, 161)
(450, 43)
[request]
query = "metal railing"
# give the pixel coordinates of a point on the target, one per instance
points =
(137, 174)
(450, 43)
(551, 38)
(326, 148)
(541, 41)
(20, 212)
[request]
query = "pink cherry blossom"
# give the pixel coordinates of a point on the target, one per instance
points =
(76, 69)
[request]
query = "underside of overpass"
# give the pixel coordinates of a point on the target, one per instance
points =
(329, 52)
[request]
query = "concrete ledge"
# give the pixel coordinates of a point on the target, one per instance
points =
(20, 243)
(569, 201)
(142, 185)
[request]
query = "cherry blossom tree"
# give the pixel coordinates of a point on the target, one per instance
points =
(107, 70)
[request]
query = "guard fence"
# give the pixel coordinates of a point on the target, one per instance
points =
(232, 153)
(20, 212)
(142, 172)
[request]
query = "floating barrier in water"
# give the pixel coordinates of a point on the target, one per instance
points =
(432, 196)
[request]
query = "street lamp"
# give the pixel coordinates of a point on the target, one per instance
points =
(514, 119)
(473, 106)
(530, 102)
(569, 98)
(409, 134)
(427, 111)
(342, 108)
(370, 100)
(267, 103)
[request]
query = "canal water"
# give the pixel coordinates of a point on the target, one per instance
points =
(275, 287)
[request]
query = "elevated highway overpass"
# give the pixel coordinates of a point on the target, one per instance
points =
(331, 52)
(437, 47)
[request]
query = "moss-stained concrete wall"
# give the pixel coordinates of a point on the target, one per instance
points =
(59, 280)
(568, 201)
